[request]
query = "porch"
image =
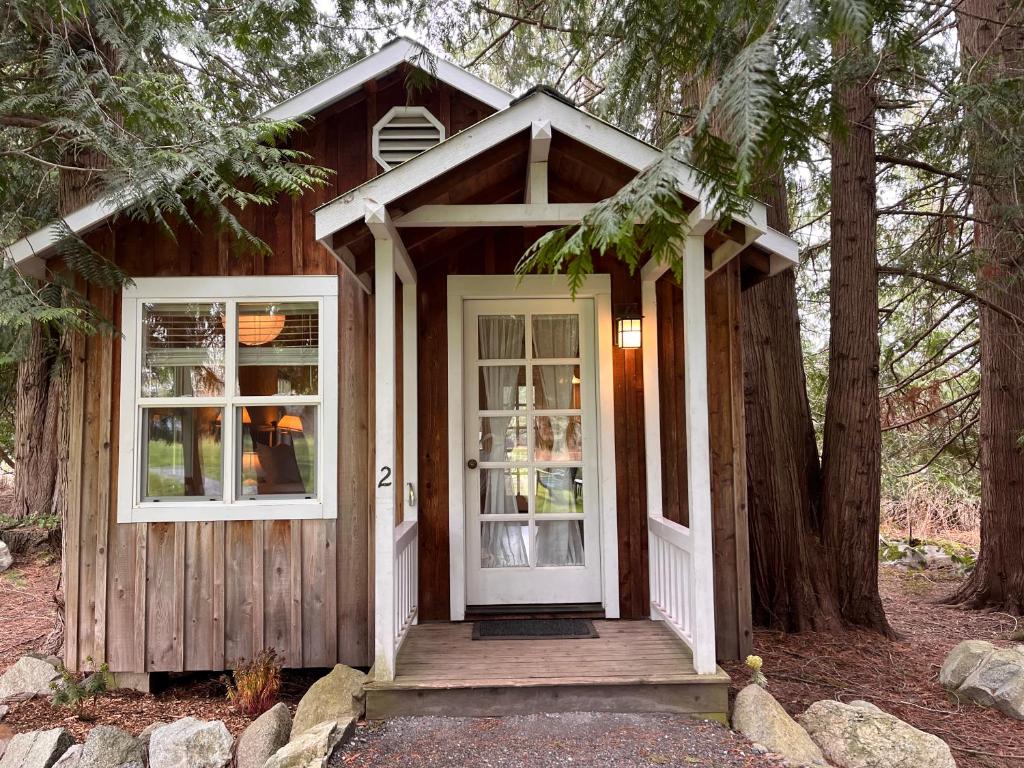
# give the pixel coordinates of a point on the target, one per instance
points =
(633, 666)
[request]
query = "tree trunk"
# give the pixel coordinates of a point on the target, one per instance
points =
(793, 587)
(991, 45)
(852, 446)
(36, 417)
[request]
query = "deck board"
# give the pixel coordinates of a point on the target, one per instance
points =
(634, 666)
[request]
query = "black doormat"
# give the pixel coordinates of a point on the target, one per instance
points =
(534, 629)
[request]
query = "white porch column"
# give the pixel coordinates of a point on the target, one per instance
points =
(698, 454)
(384, 496)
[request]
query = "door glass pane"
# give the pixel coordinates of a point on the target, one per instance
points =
(556, 336)
(557, 438)
(503, 387)
(504, 491)
(183, 350)
(181, 450)
(556, 387)
(503, 438)
(502, 337)
(278, 348)
(559, 491)
(504, 545)
(276, 455)
(560, 542)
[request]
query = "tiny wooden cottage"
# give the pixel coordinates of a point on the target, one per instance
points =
(354, 447)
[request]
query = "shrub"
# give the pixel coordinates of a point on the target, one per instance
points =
(73, 691)
(254, 685)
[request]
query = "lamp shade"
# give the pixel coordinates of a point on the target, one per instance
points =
(628, 332)
(254, 330)
(291, 422)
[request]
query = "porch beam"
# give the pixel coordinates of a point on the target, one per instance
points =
(698, 454)
(347, 260)
(700, 222)
(495, 215)
(381, 226)
(536, 189)
(730, 249)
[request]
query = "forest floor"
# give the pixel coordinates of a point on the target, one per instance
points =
(900, 676)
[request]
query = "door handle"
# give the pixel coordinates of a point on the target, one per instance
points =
(471, 463)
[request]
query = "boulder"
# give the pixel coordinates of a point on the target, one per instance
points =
(337, 696)
(860, 735)
(314, 747)
(6, 559)
(72, 758)
(110, 747)
(190, 743)
(28, 675)
(264, 736)
(758, 716)
(147, 733)
(4, 709)
(998, 682)
(36, 749)
(6, 734)
(962, 661)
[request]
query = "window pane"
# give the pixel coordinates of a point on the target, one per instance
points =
(504, 545)
(556, 336)
(502, 387)
(557, 438)
(276, 454)
(503, 438)
(502, 337)
(504, 491)
(183, 350)
(560, 542)
(556, 387)
(278, 348)
(181, 450)
(559, 491)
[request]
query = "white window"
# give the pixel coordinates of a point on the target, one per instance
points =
(229, 391)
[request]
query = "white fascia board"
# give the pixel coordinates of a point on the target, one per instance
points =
(784, 249)
(402, 50)
(85, 218)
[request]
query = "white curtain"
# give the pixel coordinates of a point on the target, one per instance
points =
(558, 542)
(501, 337)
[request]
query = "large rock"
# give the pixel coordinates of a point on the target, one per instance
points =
(72, 758)
(36, 749)
(860, 735)
(337, 696)
(998, 682)
(758, 716)
(314, 747)
(110, 747)
(28, 675)
(6, 559)
(962, 661)
(264, 736)
(190, 743)
(147, 733)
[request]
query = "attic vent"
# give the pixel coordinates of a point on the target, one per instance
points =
(403, 133)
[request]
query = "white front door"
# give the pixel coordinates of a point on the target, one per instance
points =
(532, 506)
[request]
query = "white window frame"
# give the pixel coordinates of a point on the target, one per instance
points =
(131, 508)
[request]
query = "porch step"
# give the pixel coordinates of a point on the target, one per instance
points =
(634, 666)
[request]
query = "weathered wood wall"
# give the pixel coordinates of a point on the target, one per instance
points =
(198, 596)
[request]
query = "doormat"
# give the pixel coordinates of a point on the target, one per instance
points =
(534, 629)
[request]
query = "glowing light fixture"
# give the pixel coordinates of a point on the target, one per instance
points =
(254, 330)
(245, 417)
(291, 422)
(629, 328)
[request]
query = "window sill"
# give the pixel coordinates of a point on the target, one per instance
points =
(207, 512)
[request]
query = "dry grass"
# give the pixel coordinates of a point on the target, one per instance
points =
(936, 513)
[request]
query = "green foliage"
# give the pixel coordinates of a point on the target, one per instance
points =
(254, 686)
(76, 691)
(39, 520)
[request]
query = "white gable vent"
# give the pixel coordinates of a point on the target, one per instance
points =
(403, 133)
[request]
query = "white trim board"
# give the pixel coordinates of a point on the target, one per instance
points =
(312, 100)
(466, 287)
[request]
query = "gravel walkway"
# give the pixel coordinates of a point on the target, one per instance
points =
(537, 741)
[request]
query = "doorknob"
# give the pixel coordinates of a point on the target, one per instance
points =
(471, 463)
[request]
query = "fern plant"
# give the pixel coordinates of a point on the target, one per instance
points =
(254, 686)
(77, 691)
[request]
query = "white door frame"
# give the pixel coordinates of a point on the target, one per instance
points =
(465, 287)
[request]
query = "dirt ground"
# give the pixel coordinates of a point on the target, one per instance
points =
(900, 676)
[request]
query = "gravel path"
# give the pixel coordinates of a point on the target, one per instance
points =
(592, 740)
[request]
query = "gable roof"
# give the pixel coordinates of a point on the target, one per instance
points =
(539, 104)
(399, 51)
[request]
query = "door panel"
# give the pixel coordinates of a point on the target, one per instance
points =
(532, 523)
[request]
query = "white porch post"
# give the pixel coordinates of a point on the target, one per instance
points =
(384, 497)
(698, 454)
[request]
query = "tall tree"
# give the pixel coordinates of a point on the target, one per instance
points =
(991, 34)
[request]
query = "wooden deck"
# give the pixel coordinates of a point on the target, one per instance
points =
(634, 666)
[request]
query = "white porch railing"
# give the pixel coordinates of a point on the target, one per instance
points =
(407, 564)
(671, 563)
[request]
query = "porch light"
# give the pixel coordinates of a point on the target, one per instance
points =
(628, 328)
(254, 330)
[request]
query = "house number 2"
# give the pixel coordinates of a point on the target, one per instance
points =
(385, 477)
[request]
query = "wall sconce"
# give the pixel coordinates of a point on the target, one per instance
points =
(628, 327)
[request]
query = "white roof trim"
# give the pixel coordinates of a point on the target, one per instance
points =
(597, 134)
(309, 101)
(399, 51)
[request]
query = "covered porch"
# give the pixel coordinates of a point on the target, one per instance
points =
(415, 238)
